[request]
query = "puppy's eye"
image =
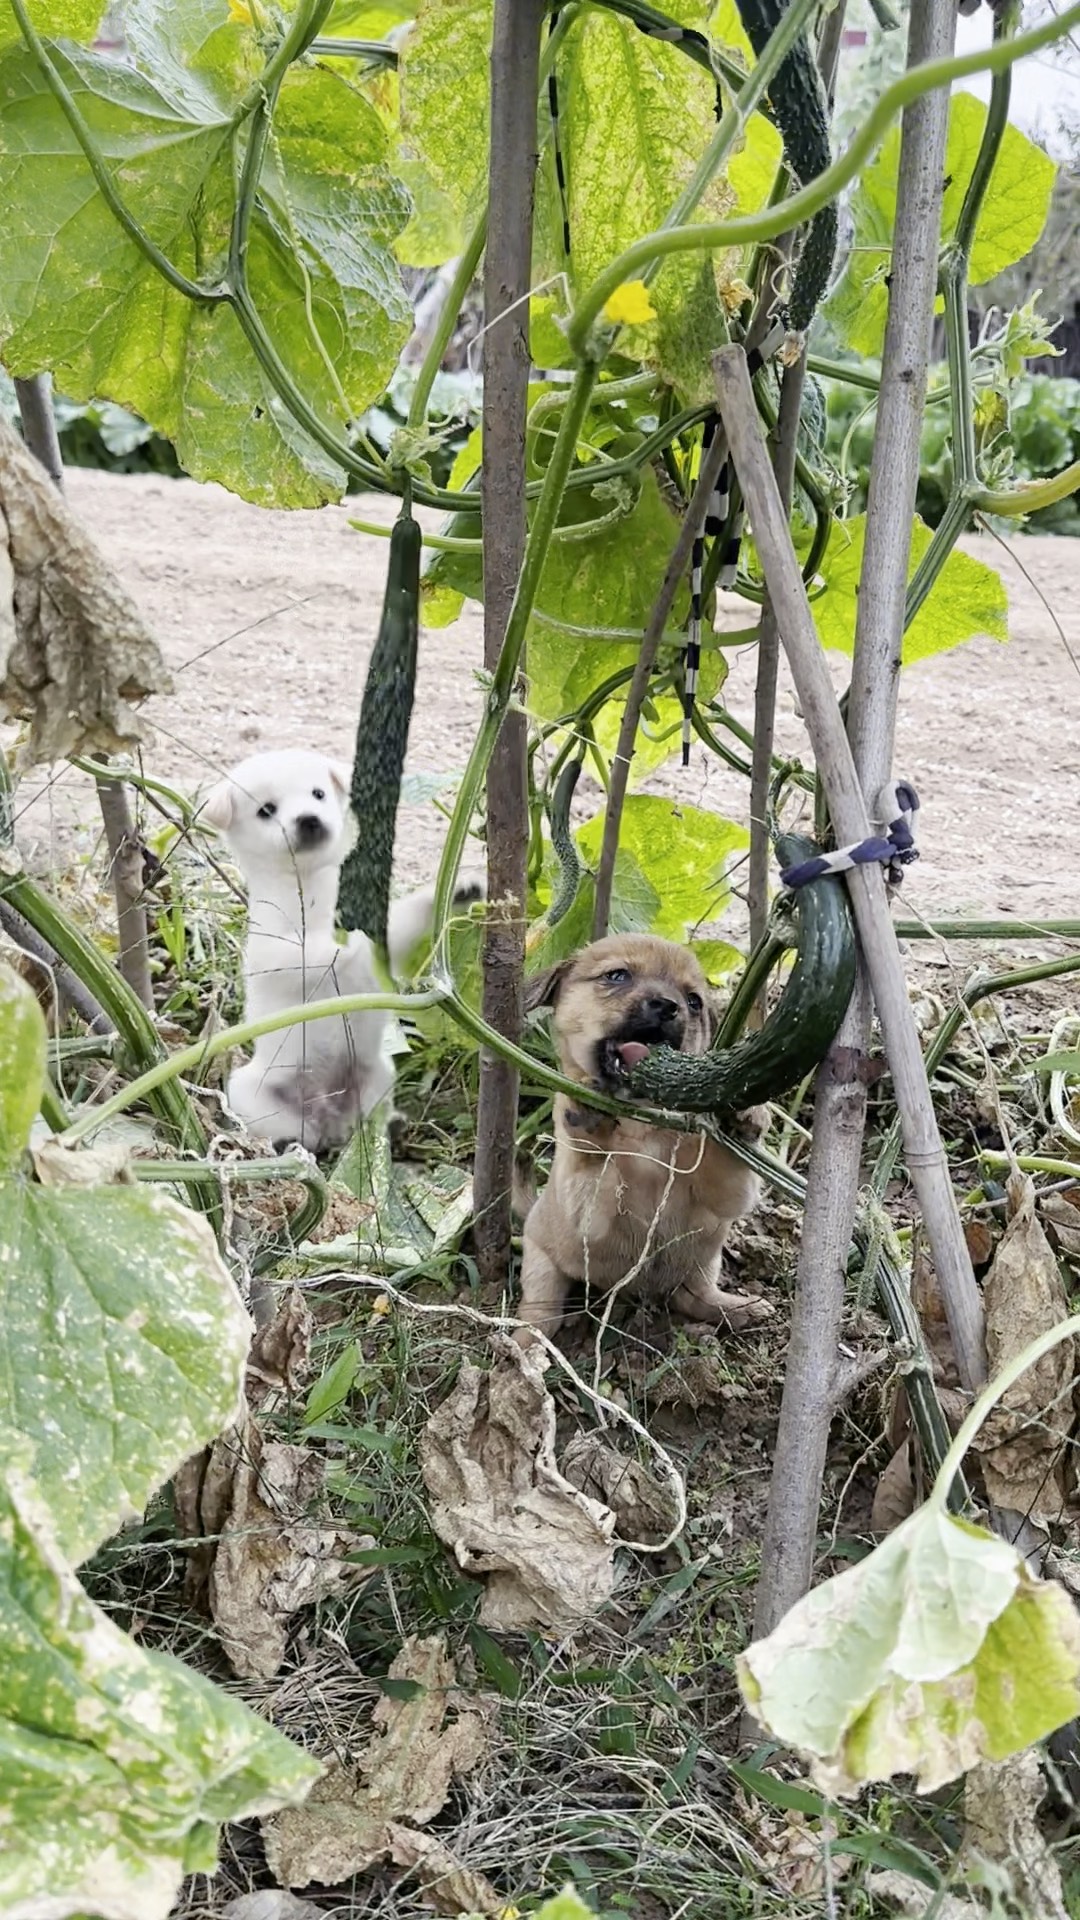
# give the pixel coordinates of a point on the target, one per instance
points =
(317, 793)
(618, 976)
(267, 810)
(695, 1002)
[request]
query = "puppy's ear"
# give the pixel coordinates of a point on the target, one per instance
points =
(542, 990)
(341, 775)
(217, 809)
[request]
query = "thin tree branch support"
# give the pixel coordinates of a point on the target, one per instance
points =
(808, 1402)
(515, 60)
(923, 1149)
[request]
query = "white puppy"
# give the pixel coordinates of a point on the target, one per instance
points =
(285, 821)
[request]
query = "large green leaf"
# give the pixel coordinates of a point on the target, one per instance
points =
(671, 867)
(78, 295)
(443, 73)
(967, 598)
(589, 588)
(1013, 216)
(22, 1066)
(635, 114)
(116, 1765)
(936, 1652)
(124, 1341)
(124, 1338)
(71, 19)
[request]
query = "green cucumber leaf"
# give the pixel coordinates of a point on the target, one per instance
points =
(967, 598)
(116, 1765)
(22, 1066)
(78, 295)
(1012, 217)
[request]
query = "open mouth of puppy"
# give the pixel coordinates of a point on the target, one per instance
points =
(619, 1053)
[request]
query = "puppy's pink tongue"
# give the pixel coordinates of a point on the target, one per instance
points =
(632, 1051)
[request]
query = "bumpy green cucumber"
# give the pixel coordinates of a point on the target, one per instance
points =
(571, 866)
(802, 115)
(797, 1034)
(381, 740)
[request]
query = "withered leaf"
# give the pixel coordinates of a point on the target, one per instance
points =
(356, 1815)
(499, 1501)
(1001, 1805)
(274, 1553)
(75, 653)
(894, 1497)
(644, 1507)
(1023, 1444)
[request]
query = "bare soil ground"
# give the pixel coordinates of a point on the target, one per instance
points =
(267, 619)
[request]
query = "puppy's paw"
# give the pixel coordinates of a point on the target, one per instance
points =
(744, 1310)
(470, 888)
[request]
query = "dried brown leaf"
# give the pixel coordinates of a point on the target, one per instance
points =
(280, 1352)
(447, 1885)
(1062, 1215)
(644, 1507)
(354, 1816)
(104, 1166)
(894, 1498)
(928, 1304)
(913, 1899)
(1023, 1444)
(271, 1903)
(274, 1554)
(75, 653)
(980, 1242)
(499, 1501)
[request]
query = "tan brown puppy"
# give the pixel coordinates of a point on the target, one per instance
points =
(628, 1203)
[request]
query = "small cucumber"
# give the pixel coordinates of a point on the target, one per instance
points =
(798, 102)
(571, 865)
(797, 1034)
(382, 737)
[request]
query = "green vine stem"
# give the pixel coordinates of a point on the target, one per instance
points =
(505, 674)
(281, 1167)
(769, 223)
(464, 275)
(194, 1058)
(986, 929)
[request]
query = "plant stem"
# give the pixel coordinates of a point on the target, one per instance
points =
(986, 929)
(505, 674)
(768, 661)
(1030, 496)
(464, 275)
(766, 225)
(515, 70)
(674, 574)
(193, 1059)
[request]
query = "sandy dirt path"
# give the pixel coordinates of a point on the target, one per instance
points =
(267, 618)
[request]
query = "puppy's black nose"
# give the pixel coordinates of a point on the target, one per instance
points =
(656, 1007)
(310, 829)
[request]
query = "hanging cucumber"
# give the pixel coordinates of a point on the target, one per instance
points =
(381, 740)
(571, 865)
(797, 1034)
(802, 115)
